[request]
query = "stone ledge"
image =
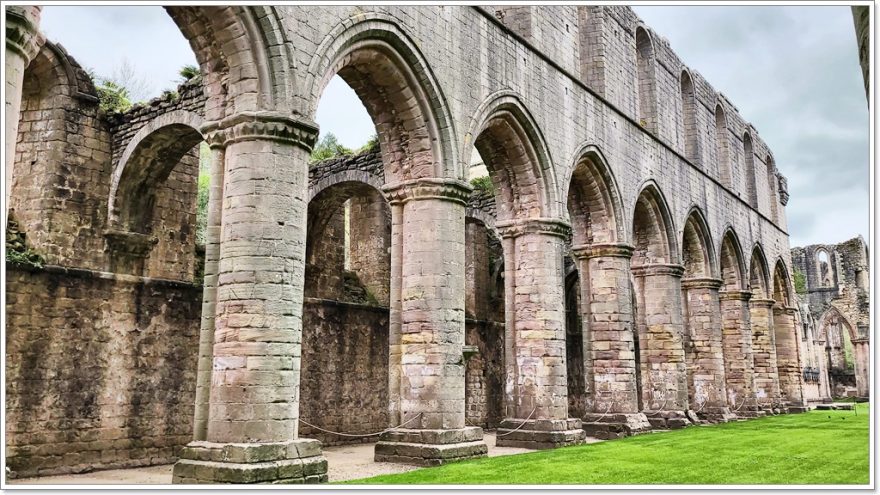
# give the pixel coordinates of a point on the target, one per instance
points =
(615, 425)
(428, 455)
(296, 461)
(433, 437)
(540, 433)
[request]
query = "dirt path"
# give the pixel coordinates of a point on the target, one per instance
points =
(344, 462)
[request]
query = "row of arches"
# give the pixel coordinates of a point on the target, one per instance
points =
(264, 242)
(690, 129)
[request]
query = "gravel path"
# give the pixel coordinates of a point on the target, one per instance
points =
(345, 462)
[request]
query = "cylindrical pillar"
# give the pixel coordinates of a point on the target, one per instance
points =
(609, 341)
(764, 351)
(252, 433)
(661, 352)
(428, 261)
(23, 41)
(536, 389)
(209, 292)
(706, 374)
(787, 358)
(862, 356)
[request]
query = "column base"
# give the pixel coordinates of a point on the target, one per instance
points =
(430, 447)
(540, 433)
(795, 409)
(717, 414)
(296, 461)
(750, 412)
(615, 425)
(668, 420)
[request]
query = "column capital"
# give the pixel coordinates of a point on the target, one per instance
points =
(545, 226)
(734, 295)
(257, 126)
(611, 250)
(861, 340)
(701, 283)
(453, 190)
(658, 269)
(22, 32)
(762, 303)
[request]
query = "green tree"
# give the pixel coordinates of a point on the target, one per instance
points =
(112, 97)
(328, 147)
(372, 144)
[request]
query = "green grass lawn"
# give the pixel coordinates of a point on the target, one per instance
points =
(819, 447)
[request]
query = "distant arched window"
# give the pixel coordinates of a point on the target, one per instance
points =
(722, 147)
(689, 117)
(749, 158)
(824, 269)
(772, 189)
(647, 81)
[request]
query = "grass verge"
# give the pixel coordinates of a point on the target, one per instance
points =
(818, 447)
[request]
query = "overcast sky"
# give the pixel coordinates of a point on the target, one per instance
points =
(793, 73)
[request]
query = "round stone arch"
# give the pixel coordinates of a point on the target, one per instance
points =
(147, 160)
(345, 176)
(591, 183)
(244, 56)
(698, 253)
(653, 232)
(759, 274)
(516, 154)
(393, 80)
(732, 262)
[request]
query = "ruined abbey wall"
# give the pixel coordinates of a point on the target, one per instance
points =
(630, 264)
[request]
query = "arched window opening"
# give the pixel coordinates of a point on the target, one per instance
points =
(646, 81)
(749, 157)
(773, 189)
(722, 147)
(689, 119)
(824, 269)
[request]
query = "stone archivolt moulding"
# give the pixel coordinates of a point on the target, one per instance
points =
(445, 189)
(542, 226)
(252, 126)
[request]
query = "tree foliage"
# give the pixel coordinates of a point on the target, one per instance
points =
(112, 97)
(328, 147)
(188, 72)
(800, 282)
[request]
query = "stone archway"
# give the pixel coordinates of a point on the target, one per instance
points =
(513, 149)
(785, 327)
(657, 283)
(702, 338)
(602, 301)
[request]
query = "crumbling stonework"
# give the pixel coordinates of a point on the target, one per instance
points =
(636, 225)
(835, 304)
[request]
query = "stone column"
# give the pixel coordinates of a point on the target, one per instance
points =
(764, 352)
(252, 432)
(23, 41)
(536, 388)
(660, 326)
(862, 357)
(822, 360)
(428, 375)
(788, 359)
(706, 371)
(739, 361)
(209, 293)
(609, 335)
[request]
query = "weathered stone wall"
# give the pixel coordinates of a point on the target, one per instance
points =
(100, 370)
(344, 384)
